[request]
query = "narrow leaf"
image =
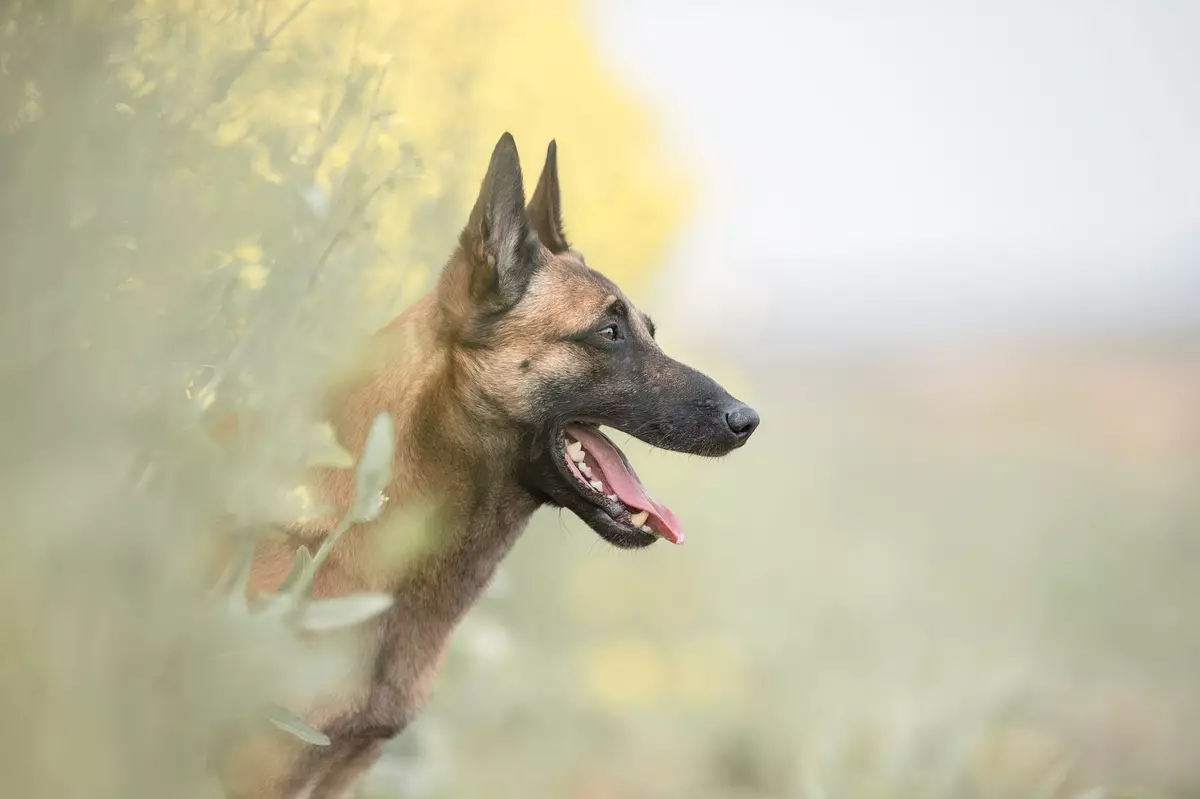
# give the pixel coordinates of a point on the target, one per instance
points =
(300, 566)
(344, 611)
(292, 724)
(374, 470)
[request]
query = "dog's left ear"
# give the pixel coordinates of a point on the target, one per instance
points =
(497, 239)
(545, 207)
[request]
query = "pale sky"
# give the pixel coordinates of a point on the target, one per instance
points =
(888, 169)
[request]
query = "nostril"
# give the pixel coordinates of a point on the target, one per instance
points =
(742, 420)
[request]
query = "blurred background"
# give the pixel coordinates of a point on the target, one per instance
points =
(951, 255)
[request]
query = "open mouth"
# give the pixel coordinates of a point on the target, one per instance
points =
(602, 469)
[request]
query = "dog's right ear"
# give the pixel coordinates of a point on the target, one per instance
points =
(497, 239)
(545, 206)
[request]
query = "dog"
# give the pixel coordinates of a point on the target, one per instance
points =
(498, 381)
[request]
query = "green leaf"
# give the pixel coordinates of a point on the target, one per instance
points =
(292, 724)
(374, 469)
(372, 476)
(300, 567)
(343, 611)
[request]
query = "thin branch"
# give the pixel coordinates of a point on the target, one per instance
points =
(372, 119)
(304, 582)
(352, 89)
(295, 12)
(241, 63)
(354, 214)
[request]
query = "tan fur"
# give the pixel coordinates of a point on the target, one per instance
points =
(446, 401)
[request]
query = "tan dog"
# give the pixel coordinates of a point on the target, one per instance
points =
(497, 381)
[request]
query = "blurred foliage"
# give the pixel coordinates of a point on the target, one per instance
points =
(901, 589)
(203, 207)
(372, 112)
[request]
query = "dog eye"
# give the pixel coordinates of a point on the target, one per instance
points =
(611, 333)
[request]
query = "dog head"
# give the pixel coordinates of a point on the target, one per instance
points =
(551, 350)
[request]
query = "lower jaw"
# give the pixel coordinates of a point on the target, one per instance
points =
(622, 522)
(624, 537)
(624, 518)
(602, 523)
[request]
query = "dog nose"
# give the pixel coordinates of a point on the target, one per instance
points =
(742, 420)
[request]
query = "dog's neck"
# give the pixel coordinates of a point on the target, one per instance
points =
(441, 464)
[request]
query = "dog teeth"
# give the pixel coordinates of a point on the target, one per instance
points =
(575, 452)
(613, 497)
(638, 519)
(646, 528)
(584, 469)
(596, 484)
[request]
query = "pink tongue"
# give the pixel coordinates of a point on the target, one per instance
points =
(625, 484)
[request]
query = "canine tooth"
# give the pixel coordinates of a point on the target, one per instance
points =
(596, 484)
(639, 518)
(575, 452)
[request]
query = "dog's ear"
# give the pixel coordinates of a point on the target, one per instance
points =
(497, 239)
(545, 207)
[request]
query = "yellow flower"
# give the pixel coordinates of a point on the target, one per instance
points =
(249, 251)
(253, 276)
